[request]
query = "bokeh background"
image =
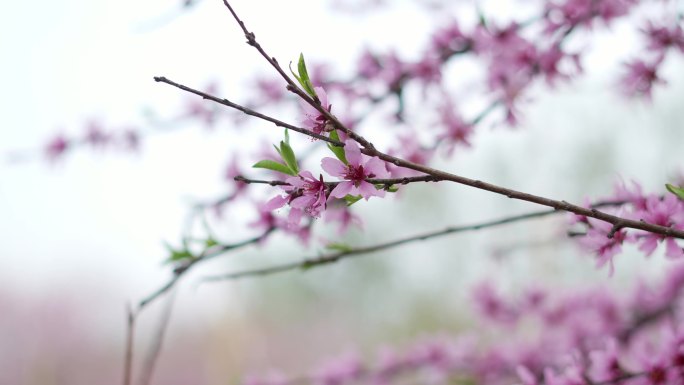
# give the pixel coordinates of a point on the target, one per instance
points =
(84, 236)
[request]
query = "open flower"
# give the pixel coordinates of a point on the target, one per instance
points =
(355, 173)
(305, 194)
(308, 193)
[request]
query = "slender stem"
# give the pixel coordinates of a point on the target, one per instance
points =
(334, 257)
(130, 337)
(155, 349)
(209, 254)
(247, 111)
(292, 86)
(387, 182)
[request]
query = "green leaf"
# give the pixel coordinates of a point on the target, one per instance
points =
(678, 191)
(304, 77)
(308, 265)
(288, 156)
(391, 189)
(178, 255)
(287, 136)
(274, 166)
(341, 247)
(351, 199)
(338, 151)
(210, 242)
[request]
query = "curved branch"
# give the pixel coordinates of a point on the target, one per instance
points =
(334, 257)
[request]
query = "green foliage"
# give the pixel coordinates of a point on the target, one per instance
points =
(288, 156)
(338, 151)
(351, 199)
(303, 77)
(337, 246)
(274, 166)
(177, 255)
(678, 191)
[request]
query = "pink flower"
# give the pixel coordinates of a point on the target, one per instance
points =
(456, 130)
(355, 173)
(641, 77)
(270, 91)
(571, 13)
(669, 212)
(56, 147)
(661, 37)
(308, 193)
(368, 65)
(305, 194)
(313, 119)
(409, 148)
(450, 39)
(232, 171)
(201, 109)
(340, 213)
(428, 69)
(96, 135)
(635, 196)
(131, 139)
(596, 240)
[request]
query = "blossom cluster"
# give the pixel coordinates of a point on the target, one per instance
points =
(95, 136)
(606, 241)
(578, 338)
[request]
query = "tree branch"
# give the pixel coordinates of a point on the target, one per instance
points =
(292, 86)
(208, 254)
(387, 182)
(334, 257)
(443, 175)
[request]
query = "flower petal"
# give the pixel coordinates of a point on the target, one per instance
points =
(342, 189)
(333, 167)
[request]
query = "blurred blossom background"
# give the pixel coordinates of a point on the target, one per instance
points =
(84, 235)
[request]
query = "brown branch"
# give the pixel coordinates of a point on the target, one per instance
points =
(292, 86)
(334, 257)
(247, 111)
(519, 195)
(387, 182)
(443, 175)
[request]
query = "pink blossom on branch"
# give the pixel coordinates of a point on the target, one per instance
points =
(666, 211)
(662, 37)
(305, 195)
(313, 119)
(355, 173)
(597, 241)
(640, 77)
(56, 147)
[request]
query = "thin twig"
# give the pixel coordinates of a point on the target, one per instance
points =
(208, 254)
(292, 86)
(443, 175)
(130, 336)
(387, 182)
(155, 348)
(247, 111)
(334, 257)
